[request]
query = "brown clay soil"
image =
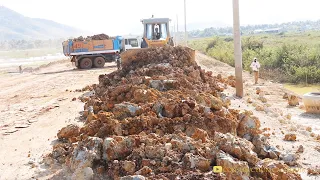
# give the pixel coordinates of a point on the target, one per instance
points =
(35, 106)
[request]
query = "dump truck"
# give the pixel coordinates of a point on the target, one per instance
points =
(89, 53)
(156, 33)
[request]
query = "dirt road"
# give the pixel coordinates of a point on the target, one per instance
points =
(39, 104)
(305, 126)
(34, 106)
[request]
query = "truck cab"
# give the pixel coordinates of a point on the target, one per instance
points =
(130, 43)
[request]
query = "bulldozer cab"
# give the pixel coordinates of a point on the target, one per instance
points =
(156, 32)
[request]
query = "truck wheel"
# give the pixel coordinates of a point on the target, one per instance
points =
(85, 63)
(99, 62)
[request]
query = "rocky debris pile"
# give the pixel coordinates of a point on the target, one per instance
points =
(164, 117)
(94, 37)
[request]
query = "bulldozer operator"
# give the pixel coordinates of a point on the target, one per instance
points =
(157, 33)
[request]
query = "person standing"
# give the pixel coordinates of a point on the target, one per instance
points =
(255, 66)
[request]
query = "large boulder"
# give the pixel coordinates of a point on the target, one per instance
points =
(237, 147)
(124, 110)
(249, 126)
(293, 100)
(209, 100)
(117, 147)
(233, 169)
(69, 132)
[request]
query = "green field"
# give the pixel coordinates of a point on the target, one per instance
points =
(285, 57)
(302, 89)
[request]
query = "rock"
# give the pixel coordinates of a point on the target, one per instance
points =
(262, 99)
(104, 116)
(91, 128)
(163, 85)
(288, 116)
(135, 177)
(209, 101)
(293, 100)
(259, 108)
(124, 110)
(309, 129)
(232, 168)
(249, 125)
(263, 149)
(129, 166)
(290, 137)
(144, 171)
(73, 99)
(273, 155)
(155, 152)
(271, 169)
(237, 147)
(203, 164)
(289, 158)
(116, 148)
(249, 100)
(300, 149)
(145, 95)
(86, 153)
(83, 174)
(313, 171)
(258, 90)
(196, 162)
(200, 134)
(69, 132)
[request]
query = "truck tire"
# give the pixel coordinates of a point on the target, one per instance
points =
(99, 62)
(86, 63)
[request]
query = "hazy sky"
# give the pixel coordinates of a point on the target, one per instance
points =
(123, 16)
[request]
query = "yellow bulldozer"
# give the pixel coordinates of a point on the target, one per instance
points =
(156, 33)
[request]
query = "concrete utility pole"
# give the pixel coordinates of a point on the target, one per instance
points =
(237, 49)
(185, 24)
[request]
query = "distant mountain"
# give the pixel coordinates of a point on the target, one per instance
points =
(17, 27)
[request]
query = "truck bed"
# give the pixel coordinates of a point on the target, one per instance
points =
(71, 48)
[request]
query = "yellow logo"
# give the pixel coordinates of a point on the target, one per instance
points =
(217, 169)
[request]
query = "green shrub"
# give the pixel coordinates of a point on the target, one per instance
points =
(289, 58)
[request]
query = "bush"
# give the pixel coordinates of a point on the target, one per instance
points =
(284, 61)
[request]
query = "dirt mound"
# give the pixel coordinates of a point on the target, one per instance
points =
(163, 117)
(100, 37)
(94, 37)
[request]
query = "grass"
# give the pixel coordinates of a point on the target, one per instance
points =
(302, 89)
(288, 57)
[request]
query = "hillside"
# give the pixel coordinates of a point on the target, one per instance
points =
(16, 26)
